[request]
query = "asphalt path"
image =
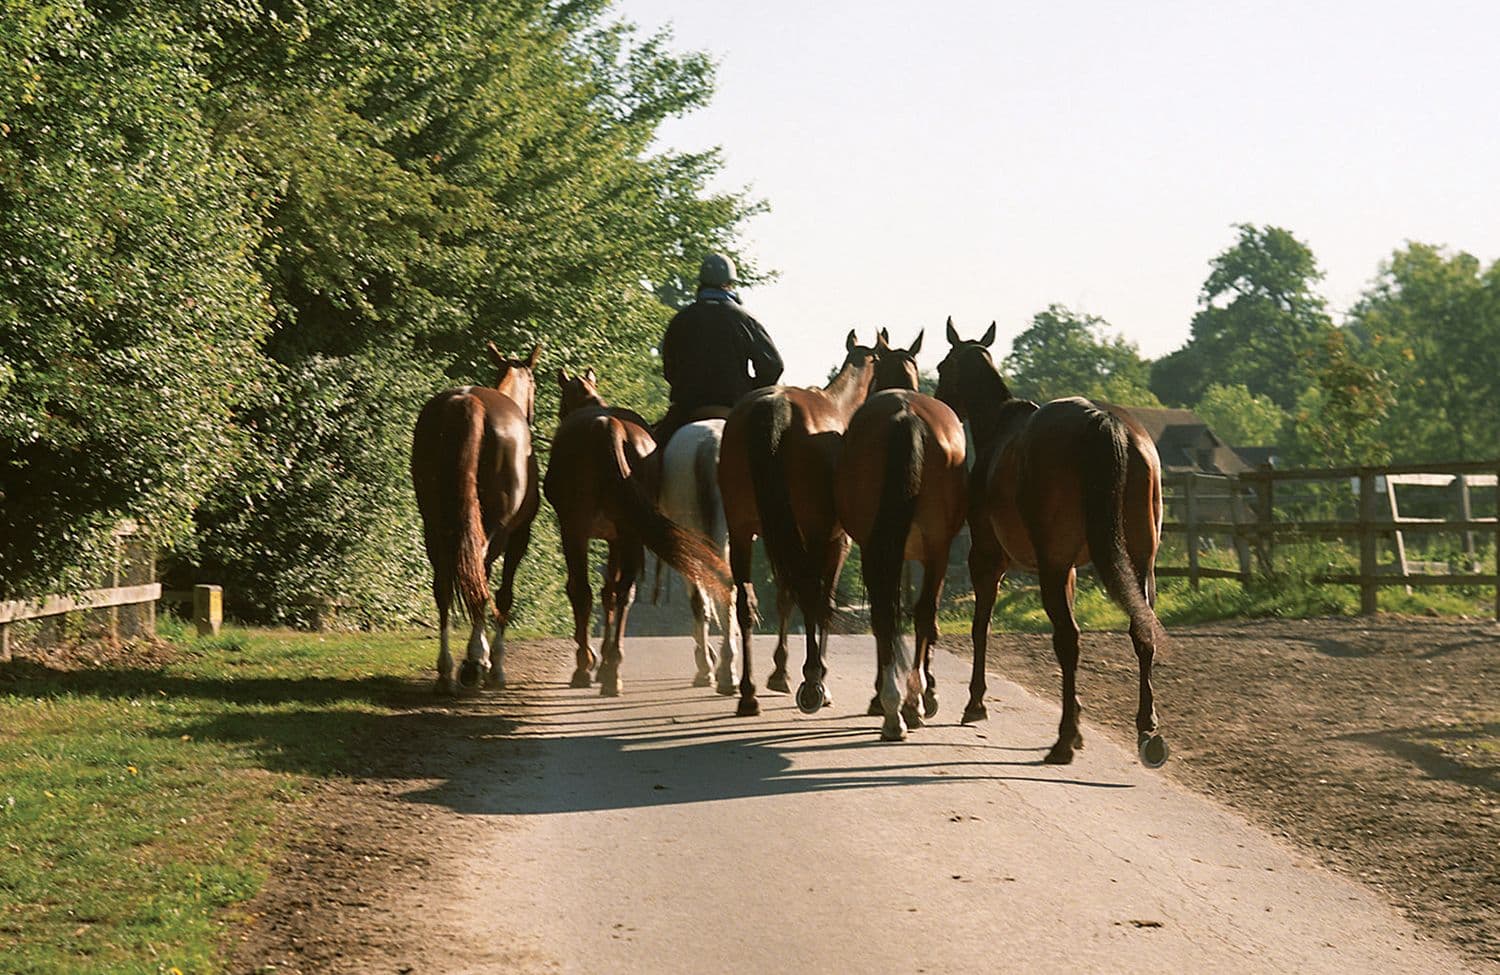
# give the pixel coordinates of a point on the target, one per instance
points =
(657, 832)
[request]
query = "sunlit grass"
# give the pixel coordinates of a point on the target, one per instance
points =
(137, 805)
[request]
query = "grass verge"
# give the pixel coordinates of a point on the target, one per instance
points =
(138, 803)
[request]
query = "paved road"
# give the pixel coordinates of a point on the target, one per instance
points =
(658, 833)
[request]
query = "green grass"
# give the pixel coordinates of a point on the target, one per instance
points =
(137, 806)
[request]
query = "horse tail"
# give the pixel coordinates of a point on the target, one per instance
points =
(1107, 453)
(681, 549)
(885, 553)
(472, 544)
(767, 424)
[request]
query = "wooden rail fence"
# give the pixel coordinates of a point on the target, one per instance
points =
(1244, 508)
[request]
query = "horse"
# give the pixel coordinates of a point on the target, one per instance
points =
(601, 481)
(1053, 488)
(776, 466)
(475, 478)
(690, 497)
(901, 489)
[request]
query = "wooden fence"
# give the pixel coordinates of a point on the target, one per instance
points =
(1248, 509)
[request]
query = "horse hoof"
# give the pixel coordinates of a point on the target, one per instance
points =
(468, 674)
(495, 682)
(911, 716)
(876, 709)
(727, 687)
(749, 707)
(1059, 755)
(893, 731)
(1153, 750)
(610, 688)
(811, 697)
(444, 687)
(976, 712)
(778, 682)
(702, 680)
(929, 704)
(580, 678)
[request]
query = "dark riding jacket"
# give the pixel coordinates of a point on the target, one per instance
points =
(706, 348)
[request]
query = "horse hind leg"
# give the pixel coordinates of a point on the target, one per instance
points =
(724, 678)
(505, 597)
(626, 560)
(445, 675)
(779, 679)
(1057, 599)
(1150, 745)
(576, 555)
(926, 632)
(703, 656)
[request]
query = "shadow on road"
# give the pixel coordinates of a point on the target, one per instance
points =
(583, 756)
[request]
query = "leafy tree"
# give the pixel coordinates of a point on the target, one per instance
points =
(1431, 323)
(436, 176)
(1338, 420)
(1240, 417)
(1259, 324)
(1064, 353)
(129, 306)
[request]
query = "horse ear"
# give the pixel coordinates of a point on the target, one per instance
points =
(496, 354)
(882, 340)
(989, 336)
(588, 374)
(562, 376)
(536, 353)
(953, 338)
(917, 345)
(849, 342)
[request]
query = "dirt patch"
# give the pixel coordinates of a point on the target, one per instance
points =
(1374, 743)
(348, 896)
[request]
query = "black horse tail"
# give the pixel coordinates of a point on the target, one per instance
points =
(469, 575)
(685, 551)
(1107, 455)
(885, 553)
(766, 426)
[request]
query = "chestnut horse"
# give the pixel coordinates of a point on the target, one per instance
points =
(602, 486)
(475, 477)
(901, 489)
(780, 449)
(1053, 488)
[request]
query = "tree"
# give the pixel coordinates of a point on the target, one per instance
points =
(1259, 325)
(1431, 324)
(1338, 419)
(434, 176)
(130, 308)
(1240, 417)
(1063, 353)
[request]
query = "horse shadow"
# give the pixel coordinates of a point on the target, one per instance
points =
(539, 748)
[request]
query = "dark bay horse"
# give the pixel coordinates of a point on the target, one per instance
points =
(1053, 488)
(901, 491)
(776, 464)
(475, 477)
(601, 484)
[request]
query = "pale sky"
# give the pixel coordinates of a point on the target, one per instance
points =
(985, 160)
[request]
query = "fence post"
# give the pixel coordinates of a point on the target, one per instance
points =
(1266, 535)
(208, 609)
(1189, 486)
(4, 643)
(1466, 513)
(1367, 565)
(1241, 543)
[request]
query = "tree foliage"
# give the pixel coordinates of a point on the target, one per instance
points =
(1064, 353)
(240, 242)
(1431, 325)
(1240, 417)
(1259, 324)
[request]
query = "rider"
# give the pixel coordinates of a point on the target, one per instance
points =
(707, 347)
